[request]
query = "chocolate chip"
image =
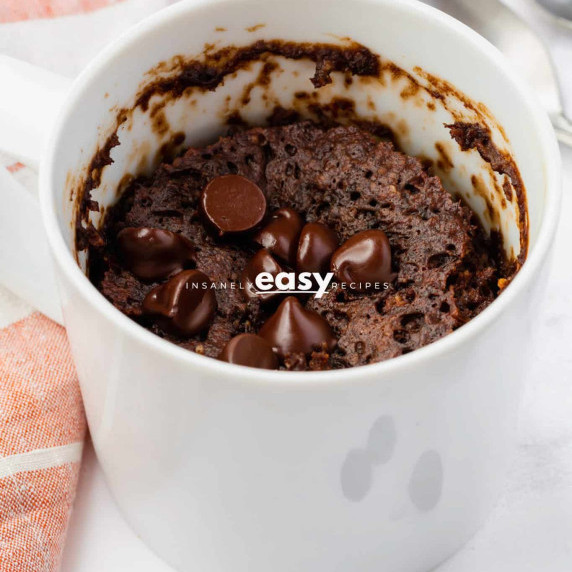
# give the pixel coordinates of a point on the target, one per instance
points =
(363, 258)
(251, 350)
(281, 234)
(262, 261)
(184, 305)
(315, 248)
(232, 204)
(152, 253)
(294, 329)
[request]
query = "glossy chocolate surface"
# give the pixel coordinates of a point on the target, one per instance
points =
(184, 305)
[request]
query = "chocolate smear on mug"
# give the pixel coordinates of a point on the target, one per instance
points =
(476, 136)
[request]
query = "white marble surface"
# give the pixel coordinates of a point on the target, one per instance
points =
(531, 528)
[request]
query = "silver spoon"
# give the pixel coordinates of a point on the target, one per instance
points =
(523, 48)
(561, 9)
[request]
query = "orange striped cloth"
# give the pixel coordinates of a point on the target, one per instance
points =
(42, 427)
(15, 10)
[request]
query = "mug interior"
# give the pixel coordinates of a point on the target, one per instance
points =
(433, 74)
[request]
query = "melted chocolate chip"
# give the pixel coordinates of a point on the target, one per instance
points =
(251, 350)
(293, 329)
(152, 253)
(363, 258)
(262, 261)
(315, 248)
(232, 204)
(281, 234)
(184, 305)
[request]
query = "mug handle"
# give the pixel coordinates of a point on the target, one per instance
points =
(30, 100)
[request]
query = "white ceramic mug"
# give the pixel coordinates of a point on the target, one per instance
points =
(221, 468)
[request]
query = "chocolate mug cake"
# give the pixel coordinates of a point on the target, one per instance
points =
(183, 247)
(300, 245)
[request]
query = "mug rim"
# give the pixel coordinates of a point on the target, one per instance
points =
(63, 256)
